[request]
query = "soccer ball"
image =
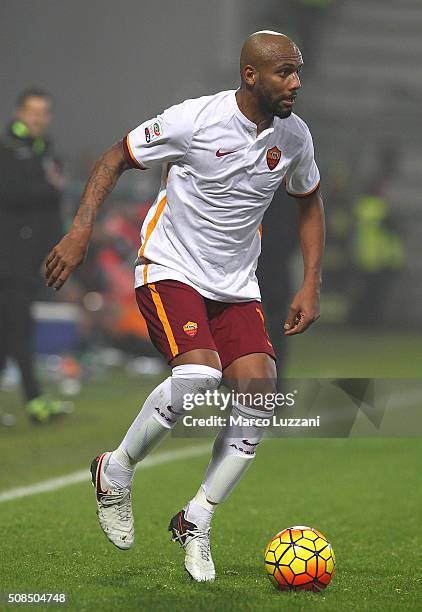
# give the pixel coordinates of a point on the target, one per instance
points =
(299, 559)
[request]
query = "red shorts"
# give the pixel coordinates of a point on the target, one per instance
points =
(179, 319)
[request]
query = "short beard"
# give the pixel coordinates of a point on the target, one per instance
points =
(284, 114)
(271, 108)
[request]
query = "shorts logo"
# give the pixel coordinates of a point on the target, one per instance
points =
(273, 157)
(190, 328)
(153, 131)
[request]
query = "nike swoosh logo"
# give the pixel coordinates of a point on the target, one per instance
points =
(223, 153)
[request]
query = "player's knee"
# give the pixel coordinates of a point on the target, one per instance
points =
(255, 388)
(197, 377)
(202, 357)
(259, 397)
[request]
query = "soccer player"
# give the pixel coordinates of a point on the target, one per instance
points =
(222, 157)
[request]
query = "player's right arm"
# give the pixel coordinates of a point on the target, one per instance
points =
(70, 252)
(163, 139)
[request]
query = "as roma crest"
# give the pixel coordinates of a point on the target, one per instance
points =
(273, 157)
(190, 328)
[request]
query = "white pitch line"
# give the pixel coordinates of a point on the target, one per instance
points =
(84, 475)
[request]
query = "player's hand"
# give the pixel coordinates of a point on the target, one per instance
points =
(303, 311)
(67, 255)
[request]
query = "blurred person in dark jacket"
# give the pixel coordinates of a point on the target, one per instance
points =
(30, 223)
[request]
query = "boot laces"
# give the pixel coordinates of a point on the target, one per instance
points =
(203, 538)
(120, 498)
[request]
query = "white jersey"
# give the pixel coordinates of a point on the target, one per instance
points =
(218, 179)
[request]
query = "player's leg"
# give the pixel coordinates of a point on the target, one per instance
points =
(112, 472)
(235, 447)
(233, 451)
(249, 366)
(198, 371)
(167, 307)
(238, 331)
(252, 377)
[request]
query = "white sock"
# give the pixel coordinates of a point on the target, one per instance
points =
(120, 469)
(159, 414)
(232, 454)
(199, 510)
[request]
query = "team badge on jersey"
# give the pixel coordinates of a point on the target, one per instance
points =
(190, 328)
(273, 157)
(153, 131)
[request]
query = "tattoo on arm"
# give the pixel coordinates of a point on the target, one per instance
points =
(104, 176)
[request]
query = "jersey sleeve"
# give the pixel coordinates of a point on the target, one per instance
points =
(164, 138)
(303, 175)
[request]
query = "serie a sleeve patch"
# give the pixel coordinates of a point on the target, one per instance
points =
(153, 131)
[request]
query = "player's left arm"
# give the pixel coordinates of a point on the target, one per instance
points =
(304, 309)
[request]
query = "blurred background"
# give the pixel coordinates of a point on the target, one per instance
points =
(109, 67)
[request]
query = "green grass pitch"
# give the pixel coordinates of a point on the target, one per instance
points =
(361, 493)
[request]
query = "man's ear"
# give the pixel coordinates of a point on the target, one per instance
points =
(249, 75)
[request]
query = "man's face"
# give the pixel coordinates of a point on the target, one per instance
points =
(35, 113)
(277, 84)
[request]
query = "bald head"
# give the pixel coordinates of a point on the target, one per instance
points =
(263, 47)
(269, 66)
